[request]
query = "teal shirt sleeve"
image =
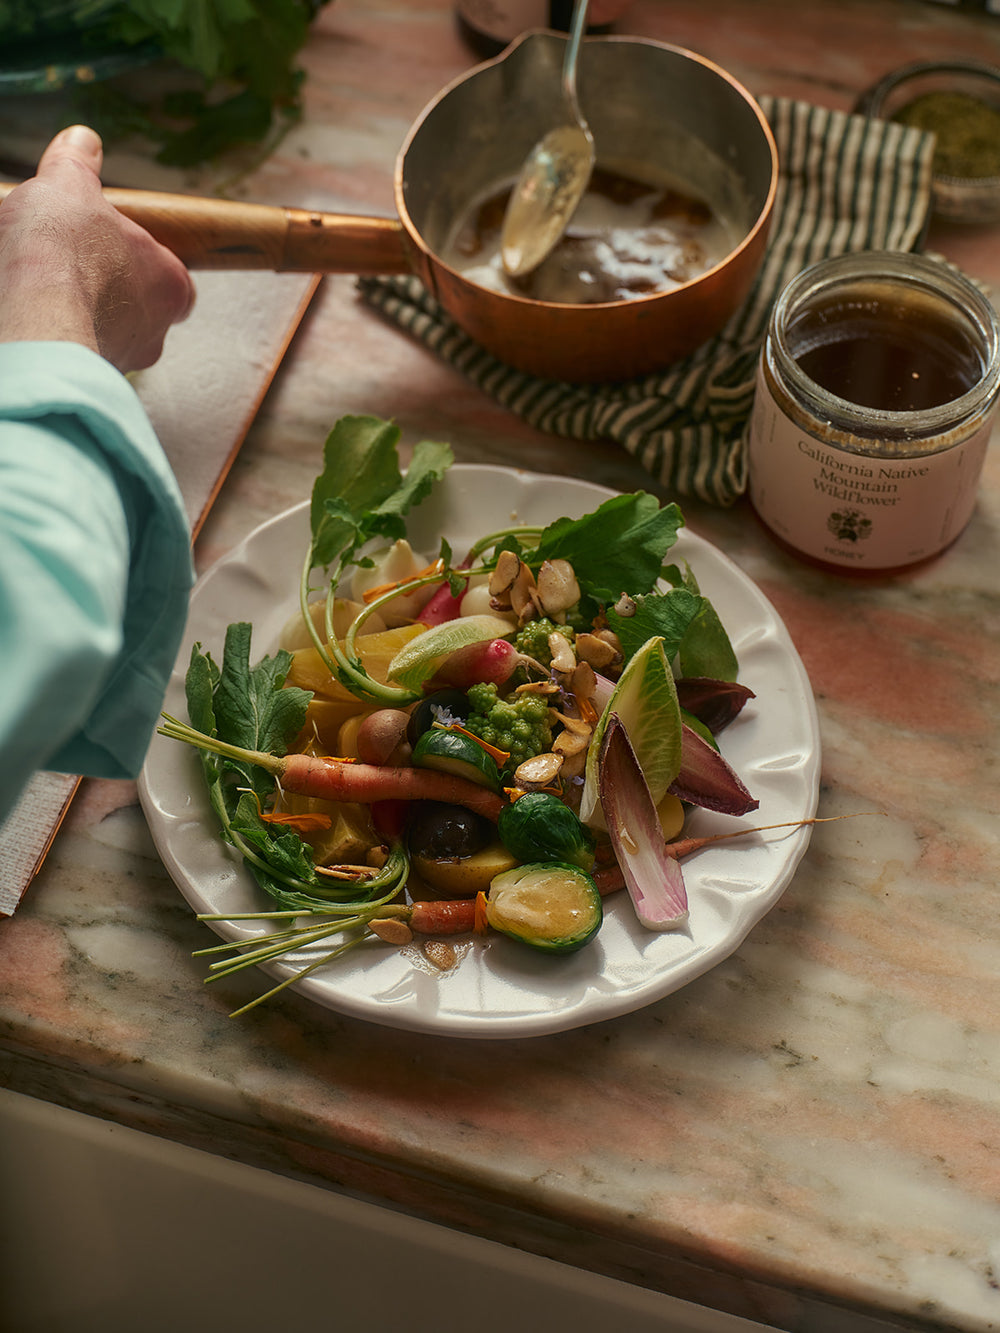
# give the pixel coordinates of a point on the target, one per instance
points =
(95, 567)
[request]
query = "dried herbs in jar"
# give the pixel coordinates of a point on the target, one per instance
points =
(967, 130)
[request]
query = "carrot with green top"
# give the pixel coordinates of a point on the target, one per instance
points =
(330, 779)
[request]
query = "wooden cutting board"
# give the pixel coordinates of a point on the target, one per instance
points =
(201, 396)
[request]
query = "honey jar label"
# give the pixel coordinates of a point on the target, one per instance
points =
(863, 510)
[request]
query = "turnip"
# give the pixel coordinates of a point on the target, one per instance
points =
(381, 738)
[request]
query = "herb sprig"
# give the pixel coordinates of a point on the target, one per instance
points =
(360, 495)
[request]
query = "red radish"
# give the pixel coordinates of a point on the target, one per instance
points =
(492, 661)
(444, 605)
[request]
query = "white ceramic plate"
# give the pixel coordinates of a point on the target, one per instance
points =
(500, 988)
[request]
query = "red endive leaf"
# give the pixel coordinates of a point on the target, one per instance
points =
(654, 880)
(714, 702)
(707, 780)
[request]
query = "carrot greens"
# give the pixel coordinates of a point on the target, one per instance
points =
(361, 494)
(248, 708)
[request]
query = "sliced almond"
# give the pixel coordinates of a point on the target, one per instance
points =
(583, 681)
(571, 742)
(609, 636)
(561, 651)
(440, 953)
(578, 725)
(538, 687)
(522, 595)
(391, 930)
(573, 766)
(345, 872)
(538, 772)
(596, 651)
(502, 578)
(558, 589)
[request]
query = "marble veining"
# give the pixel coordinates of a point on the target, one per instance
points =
(808, 1135)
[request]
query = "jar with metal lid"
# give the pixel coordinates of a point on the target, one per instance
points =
(876, 391)
(491, 25)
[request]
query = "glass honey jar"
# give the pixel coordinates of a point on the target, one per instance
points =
(876, 391)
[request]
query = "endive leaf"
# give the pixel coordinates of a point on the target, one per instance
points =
(654, 880)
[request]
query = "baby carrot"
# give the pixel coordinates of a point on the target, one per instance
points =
(346, 780)
(685, 846)
(454, 917)
(337, 780)
(609, 878)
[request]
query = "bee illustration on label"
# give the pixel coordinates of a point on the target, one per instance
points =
(848, 525)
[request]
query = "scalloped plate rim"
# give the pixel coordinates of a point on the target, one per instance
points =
(517, 997)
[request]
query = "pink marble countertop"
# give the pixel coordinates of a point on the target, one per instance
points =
(813, 1127)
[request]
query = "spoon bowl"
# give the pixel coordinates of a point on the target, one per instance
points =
(554, 177)
(663, 111)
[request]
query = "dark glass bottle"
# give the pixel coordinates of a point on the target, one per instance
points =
(489, 26)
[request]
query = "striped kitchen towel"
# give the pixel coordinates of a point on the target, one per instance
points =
(846, 183)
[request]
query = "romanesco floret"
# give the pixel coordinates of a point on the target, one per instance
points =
(519, 724)
(532, 639)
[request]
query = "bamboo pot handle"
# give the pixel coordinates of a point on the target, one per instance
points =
(230, 234)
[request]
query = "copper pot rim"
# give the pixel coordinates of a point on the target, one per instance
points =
(749, 241)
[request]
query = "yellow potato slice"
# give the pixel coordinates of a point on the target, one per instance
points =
(464, 876)
(310, 672)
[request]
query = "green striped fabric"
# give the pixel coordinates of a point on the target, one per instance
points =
(846, 184)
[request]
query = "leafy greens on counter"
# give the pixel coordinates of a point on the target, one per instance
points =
(243, 52)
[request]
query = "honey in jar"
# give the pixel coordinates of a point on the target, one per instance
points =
(876, 393)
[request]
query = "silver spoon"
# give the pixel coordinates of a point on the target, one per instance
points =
(554, 177)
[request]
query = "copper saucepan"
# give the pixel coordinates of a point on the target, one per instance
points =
(650, 105)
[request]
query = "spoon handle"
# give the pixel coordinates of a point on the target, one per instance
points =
(576, 32)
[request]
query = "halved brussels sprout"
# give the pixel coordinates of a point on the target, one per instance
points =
(549, 905)
(541, 825)
(451, 752)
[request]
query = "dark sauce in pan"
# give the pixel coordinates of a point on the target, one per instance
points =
(628, 238)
